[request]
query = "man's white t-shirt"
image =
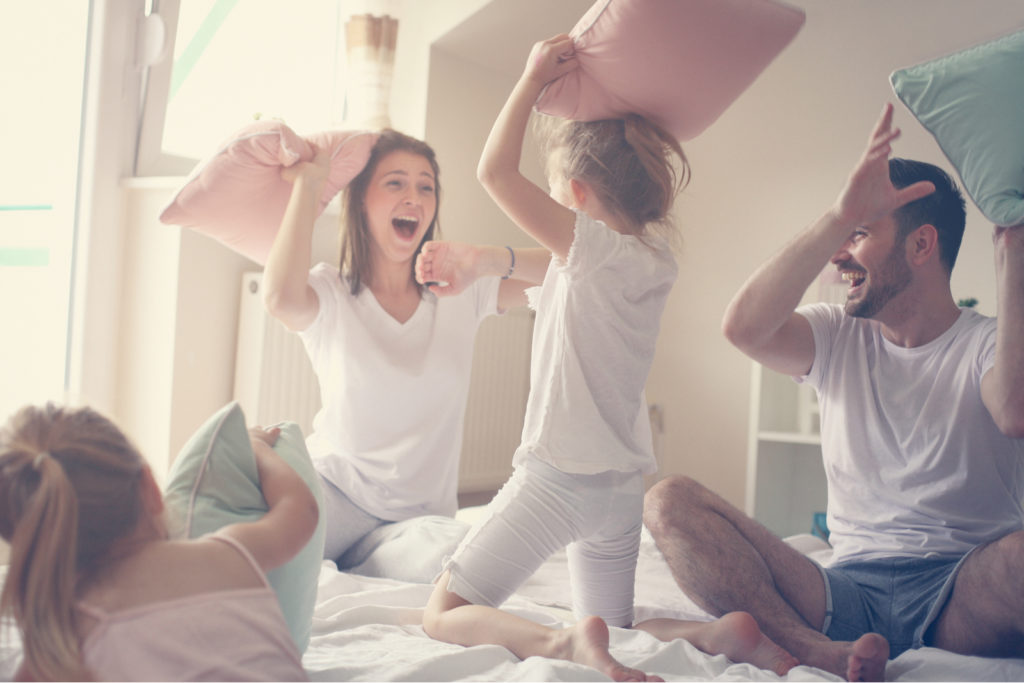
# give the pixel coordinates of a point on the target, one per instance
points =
(915, 464)
(389, 433)
(598, 315)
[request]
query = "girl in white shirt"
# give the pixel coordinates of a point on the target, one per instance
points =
(578, 480)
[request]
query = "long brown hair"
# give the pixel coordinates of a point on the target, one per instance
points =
(355, 259)
(69, 488)
(630, 163)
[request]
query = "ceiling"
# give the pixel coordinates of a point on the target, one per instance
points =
(499, 36)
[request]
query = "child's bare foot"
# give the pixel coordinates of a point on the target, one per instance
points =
(867, 658)
(587, 643)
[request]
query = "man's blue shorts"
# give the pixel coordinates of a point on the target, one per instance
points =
(899, 598)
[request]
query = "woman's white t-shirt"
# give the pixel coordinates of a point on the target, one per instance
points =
(389, 433)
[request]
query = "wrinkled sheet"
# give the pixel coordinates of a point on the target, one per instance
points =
(369, 629)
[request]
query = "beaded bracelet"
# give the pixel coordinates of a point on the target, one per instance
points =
(511, 265)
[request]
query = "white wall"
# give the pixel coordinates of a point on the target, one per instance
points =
(178, 325)
(420, 25)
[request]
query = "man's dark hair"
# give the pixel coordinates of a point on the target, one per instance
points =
(944, 209)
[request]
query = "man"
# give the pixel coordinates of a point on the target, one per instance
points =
(922, 410)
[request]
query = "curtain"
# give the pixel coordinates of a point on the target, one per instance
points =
(370, 51)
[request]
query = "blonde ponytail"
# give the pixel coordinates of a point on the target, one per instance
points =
(40, 589)
(69, 490)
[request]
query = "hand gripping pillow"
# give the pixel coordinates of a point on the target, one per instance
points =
(238, 197)
(972, 102)
(680, 63)
(214, 482)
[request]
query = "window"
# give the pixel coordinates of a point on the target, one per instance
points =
(42, 119)
(235, 61)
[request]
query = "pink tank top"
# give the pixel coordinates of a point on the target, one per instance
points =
(233, 635)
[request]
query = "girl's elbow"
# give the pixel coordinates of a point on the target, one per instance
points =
(312, 517)
(305, 515)
(485, 174)
(738, 334)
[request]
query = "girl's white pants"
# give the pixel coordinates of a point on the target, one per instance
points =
(539, 510)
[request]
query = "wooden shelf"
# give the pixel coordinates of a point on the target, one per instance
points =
(786, 483)
(791, 437)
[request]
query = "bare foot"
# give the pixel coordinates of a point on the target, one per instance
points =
(861, 660)
(735, 635)
(868, 655)
(587, 644)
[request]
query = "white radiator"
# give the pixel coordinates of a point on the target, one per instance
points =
(498, 390)
(274, 382)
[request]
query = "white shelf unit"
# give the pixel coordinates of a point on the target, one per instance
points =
(785, 476)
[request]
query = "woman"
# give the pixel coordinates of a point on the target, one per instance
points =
(393, 358)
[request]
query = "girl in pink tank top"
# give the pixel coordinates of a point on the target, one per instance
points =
(96, 588)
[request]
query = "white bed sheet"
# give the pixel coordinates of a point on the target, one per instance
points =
(369, 629)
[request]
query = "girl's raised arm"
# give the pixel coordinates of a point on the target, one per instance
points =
(286, 291)
(532, 209)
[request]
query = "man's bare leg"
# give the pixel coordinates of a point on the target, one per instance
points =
(985, 613)
(727, 562)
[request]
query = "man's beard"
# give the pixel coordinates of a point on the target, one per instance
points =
(891, 278)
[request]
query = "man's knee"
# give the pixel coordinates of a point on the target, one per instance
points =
(670, 502)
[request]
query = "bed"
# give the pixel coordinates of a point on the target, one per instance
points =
(368, 629)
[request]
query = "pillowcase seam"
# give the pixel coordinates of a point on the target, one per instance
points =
(591, 24)
(202, 472)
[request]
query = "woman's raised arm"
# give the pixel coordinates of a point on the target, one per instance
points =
(287, 294)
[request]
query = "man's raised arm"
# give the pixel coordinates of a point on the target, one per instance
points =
(761, 320)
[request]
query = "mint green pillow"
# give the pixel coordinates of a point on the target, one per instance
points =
(214, 482)
(972, 102)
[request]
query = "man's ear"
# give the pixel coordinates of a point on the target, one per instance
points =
(923, 244)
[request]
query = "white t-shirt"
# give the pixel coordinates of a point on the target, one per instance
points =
(598, 314)
(915, 464)
(389, 433)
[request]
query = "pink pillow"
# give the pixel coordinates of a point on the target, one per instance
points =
(680, 63)
(238, 197)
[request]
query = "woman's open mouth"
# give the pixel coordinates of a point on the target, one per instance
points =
(405, 225)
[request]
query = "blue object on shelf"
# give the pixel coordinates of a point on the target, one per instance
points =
(819, 526)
